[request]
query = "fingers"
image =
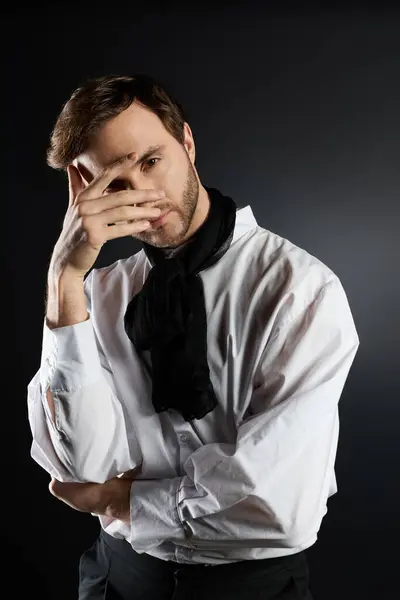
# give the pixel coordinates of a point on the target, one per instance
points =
(132, 473)
(75, 183)
(125, 229)
(123, 198)
(100, 183)
(53, 487)
(62, 490)
(126, 213)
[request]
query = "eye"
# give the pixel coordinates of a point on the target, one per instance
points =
(150, 163)
(115, 186)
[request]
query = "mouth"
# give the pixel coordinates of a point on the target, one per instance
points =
(155, 223)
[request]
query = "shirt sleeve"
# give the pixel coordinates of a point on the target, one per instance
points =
(88, 439)
(270, 488)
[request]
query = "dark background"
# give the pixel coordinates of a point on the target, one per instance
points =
(295, 112)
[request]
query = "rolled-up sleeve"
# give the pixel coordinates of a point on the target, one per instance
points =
(270, 488)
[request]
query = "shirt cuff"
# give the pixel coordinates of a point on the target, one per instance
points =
(154, 514)
(69, 356)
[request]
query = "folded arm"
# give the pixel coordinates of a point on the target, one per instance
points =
(273, 483)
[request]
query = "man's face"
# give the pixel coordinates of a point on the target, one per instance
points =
(170, 168)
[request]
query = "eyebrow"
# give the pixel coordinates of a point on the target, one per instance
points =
(149, 152)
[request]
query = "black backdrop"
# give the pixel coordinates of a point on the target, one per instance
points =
(295, 113)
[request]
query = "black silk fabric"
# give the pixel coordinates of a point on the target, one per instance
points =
(168, 315)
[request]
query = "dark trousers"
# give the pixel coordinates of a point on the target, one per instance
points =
(112, 570)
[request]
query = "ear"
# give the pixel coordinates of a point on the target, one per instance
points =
(189, 143)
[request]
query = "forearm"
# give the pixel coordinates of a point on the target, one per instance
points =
(66, 305)
(66, 302)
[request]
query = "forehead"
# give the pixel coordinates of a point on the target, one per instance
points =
(133, 130)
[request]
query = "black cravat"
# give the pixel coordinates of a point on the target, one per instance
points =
(168, 315)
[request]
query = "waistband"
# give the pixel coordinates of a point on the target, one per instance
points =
(125, 551)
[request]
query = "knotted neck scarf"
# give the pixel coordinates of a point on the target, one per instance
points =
(168, 315)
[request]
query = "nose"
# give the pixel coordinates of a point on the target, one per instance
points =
(130, 184)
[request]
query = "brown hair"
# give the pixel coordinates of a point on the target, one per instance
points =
(98, 100)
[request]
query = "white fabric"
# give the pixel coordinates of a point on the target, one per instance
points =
(251, 479)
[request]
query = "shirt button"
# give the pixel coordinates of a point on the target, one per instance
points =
(183, 438)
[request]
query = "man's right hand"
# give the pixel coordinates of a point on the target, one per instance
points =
(93, 218)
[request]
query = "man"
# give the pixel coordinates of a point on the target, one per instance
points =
(187, 395)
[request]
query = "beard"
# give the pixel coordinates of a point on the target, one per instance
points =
(171, 236)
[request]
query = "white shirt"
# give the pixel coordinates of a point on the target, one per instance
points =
(252, 478)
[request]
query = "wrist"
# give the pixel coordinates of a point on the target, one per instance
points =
(60, 272)
(66, 301)
(119, 505)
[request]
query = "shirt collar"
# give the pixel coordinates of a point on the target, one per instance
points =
(245, 221)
